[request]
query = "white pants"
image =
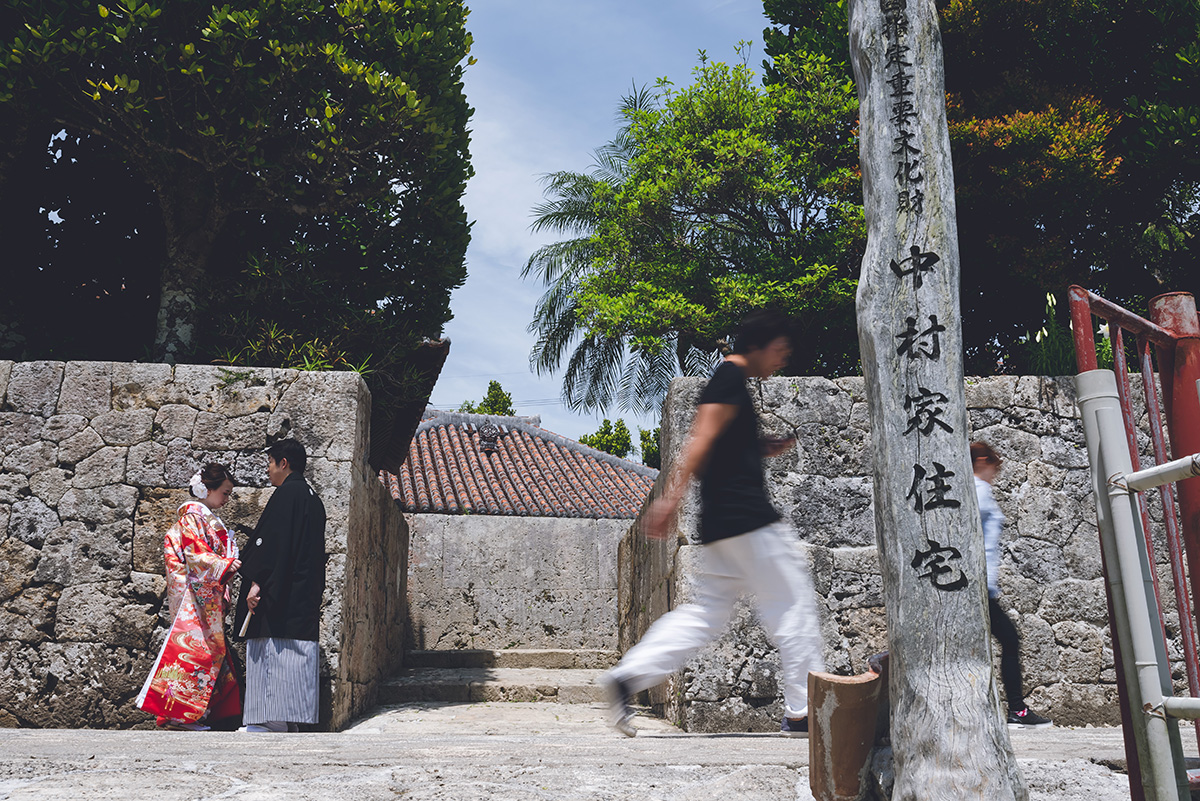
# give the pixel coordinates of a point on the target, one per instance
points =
(766, 562)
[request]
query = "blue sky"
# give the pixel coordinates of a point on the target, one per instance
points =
(545, 90)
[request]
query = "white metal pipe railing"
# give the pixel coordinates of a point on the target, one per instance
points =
(1094, 390)
(1135, 624)
(1166, 473)
(1114, 455)
(1183, 708)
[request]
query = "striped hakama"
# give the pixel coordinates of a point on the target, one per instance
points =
(281, 680)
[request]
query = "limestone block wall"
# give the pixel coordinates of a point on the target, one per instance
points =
(93, 459)
(491, 582)
(1050, 577)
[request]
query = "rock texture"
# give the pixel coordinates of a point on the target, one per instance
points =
(1050, 575)
(94, 458)
(493, 582)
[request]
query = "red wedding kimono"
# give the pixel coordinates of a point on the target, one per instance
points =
(191, 680)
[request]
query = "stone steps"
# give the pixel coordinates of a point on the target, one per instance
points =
(479, 684)
(547, 658)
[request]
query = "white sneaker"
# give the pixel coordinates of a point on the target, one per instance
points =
(271, 726)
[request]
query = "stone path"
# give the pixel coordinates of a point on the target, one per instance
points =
(474, 752)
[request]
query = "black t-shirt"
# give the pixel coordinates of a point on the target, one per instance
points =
(733, 498)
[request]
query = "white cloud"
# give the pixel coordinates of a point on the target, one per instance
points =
(549, 77)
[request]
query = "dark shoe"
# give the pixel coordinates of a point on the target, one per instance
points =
(179, 725)
(620, 714)
(1028, 719)
(794, 727)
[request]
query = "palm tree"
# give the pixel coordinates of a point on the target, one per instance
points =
(711, 201)
(600, 369)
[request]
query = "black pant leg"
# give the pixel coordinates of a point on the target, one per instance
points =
(1010, 655)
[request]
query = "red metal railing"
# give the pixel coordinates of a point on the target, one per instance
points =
(1175, 333)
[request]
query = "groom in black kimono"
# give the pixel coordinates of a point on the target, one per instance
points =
(283, 581)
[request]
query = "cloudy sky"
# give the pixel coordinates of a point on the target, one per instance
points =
(545, 90)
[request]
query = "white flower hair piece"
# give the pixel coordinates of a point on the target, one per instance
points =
(197, 485)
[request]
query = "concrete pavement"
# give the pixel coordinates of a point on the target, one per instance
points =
(480, 751)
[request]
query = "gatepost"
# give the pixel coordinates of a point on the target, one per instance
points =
(947, 736)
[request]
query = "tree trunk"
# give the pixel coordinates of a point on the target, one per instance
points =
(193, 217)
(947, 735)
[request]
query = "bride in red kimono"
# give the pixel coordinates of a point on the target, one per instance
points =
(191, 680)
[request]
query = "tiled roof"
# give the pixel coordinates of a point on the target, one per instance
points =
(488, 465)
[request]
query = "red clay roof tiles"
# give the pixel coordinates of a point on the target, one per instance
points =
(532, 472)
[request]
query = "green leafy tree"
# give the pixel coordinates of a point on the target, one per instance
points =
(804, 26)
(80, 284)
(495, 401)
(713, 200)
(1073, 130)
(292, 112)
(650, 439)
(1076, 151)
(610, 438)
(313, 303)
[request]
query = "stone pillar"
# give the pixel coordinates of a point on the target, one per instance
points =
(947, 735)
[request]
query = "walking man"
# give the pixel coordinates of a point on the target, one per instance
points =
(746, 546)
(283, 581)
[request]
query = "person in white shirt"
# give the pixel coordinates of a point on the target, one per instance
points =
(986, 464)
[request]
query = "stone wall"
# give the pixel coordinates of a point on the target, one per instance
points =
(93, 458)
(513, 582)
(369, 576)
(1050, 577)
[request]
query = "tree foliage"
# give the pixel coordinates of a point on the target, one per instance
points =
(650, 438)
(311, 126)
(1075, 130)
(804, 26)
(80, 285)
(713, 200)
(495, 401)
(611, 438)
(1075, 134)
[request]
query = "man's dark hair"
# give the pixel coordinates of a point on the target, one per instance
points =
(759, 329)
(291, 450)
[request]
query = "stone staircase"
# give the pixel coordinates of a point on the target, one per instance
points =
(518, 674)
